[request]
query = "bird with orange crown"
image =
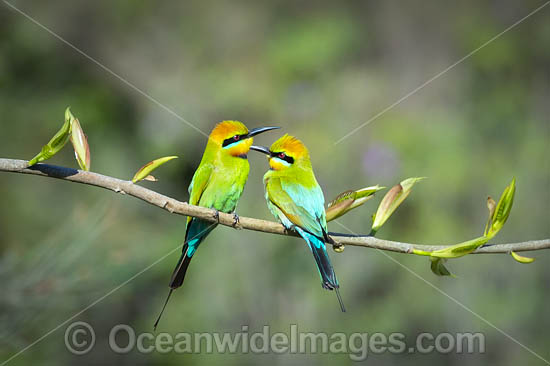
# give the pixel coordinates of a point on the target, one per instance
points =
(296, 200)
(217, 183)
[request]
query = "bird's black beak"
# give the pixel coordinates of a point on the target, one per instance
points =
(261, 149)
(257, 131)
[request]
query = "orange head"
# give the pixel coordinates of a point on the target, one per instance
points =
(286, 152)
(234, 138)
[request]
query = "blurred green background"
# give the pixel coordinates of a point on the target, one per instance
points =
(319, 70)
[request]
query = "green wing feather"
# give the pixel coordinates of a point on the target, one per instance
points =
(198, 185)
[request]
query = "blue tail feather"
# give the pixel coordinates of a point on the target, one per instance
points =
(197, 230)
(319, 250)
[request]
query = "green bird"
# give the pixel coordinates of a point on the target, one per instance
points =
(296, 200)
(217, 183)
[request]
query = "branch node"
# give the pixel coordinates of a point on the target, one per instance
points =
(167, 206)
(337, 246)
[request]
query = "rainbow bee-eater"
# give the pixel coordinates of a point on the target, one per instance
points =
(217, 183)
(296, 200)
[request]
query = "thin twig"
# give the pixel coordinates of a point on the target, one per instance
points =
(182, 208)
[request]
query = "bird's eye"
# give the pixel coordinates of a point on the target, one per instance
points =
(282, 156)
(236, 137)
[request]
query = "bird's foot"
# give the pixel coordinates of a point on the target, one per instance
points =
(217, 215)
(236, 221)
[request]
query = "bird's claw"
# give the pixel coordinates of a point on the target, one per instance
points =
(217, 215)
(236, 221)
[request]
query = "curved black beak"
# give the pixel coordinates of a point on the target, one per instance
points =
(257, 131)
(261, 149)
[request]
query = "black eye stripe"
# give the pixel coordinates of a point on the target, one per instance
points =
(232, 139)
(288, 159)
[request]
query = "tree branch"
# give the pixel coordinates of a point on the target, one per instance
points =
(182, 208)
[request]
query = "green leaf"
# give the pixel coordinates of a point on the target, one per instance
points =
(498, 214)
(349, 200)
(80, 145)
(502, 210)
(365, 194)
(421, 252)
(395, 196)
(521, 258)
(57, 141)
(144, 171)
(437, 266)
(461, 249)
